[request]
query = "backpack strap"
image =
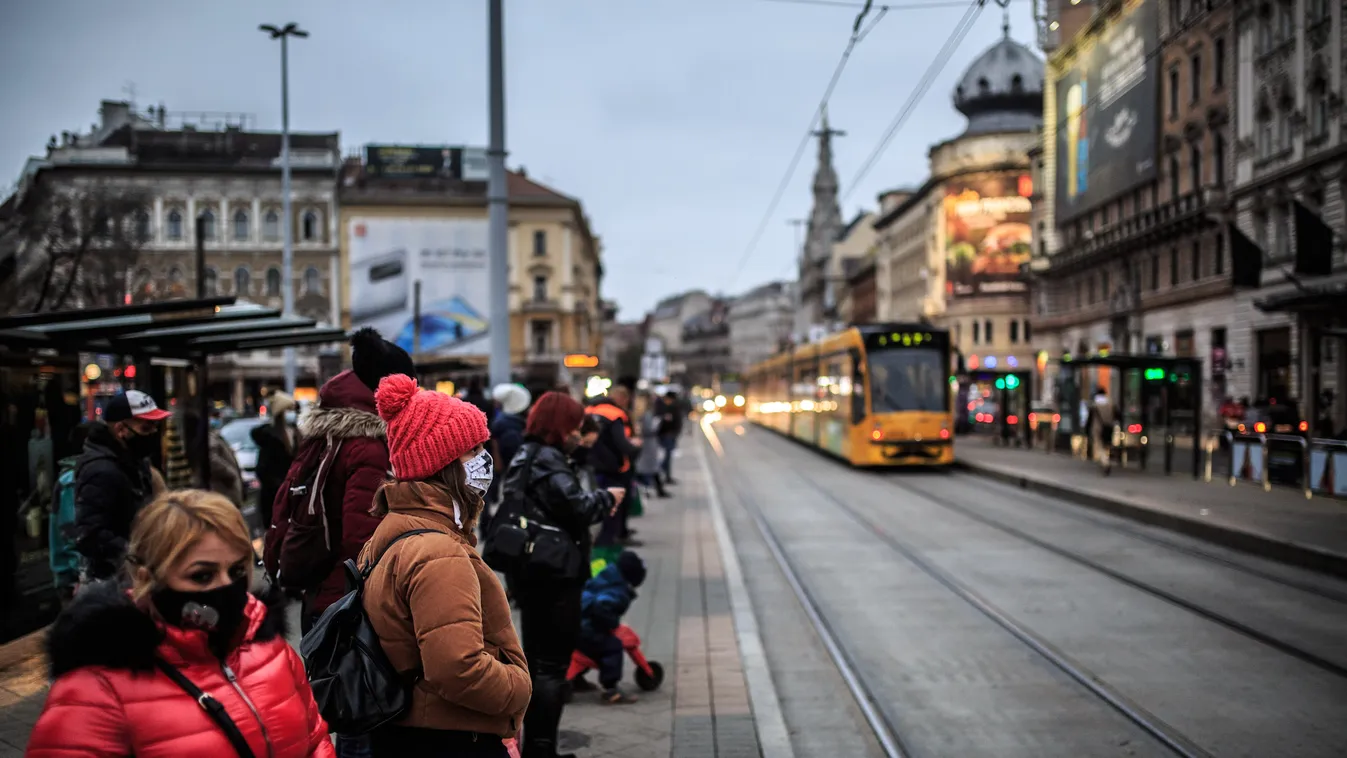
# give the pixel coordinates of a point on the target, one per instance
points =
(213, 708)
(365, 572)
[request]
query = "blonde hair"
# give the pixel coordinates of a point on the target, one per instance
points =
(173, 523)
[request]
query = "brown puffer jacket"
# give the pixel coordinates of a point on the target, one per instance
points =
(439, 611)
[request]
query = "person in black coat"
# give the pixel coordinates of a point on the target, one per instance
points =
(276, 443)
(113, 480)
(542, 486)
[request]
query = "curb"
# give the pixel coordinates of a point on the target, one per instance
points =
(21, 649)
(1289, 553)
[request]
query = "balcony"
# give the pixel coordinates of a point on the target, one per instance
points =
(1172, 219)
(541, 305)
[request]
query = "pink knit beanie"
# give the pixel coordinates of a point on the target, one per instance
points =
(426, 430)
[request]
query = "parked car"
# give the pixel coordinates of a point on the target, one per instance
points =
(238, 433)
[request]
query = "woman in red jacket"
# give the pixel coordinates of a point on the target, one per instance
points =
(115, 654)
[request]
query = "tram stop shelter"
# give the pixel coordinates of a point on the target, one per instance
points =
(1154, 398)
(165, 335)
(1010, 390)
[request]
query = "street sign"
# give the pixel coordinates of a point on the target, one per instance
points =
(654, 367)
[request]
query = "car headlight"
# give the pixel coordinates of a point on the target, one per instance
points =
(738, 401)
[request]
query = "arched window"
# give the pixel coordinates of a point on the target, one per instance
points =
(177, 282)
(309, 226)
(1016, 83)
(212, 279)
(984, 86)
(142, 225)
(242, 281)
(273, 282)
(313, 284)
(208, 224)
(271, 226)
(174, 225)
(241, 230)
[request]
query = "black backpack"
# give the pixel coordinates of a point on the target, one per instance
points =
(354, 684)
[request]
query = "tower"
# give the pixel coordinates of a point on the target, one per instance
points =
(817, 302)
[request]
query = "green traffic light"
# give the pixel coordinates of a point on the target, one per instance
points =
(1000, 384)
(1155, 374)
(1012, 382)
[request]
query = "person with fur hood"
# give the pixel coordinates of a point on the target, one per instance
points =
(342, 460)
(185, 656)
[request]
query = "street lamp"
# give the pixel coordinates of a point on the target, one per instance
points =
(288, 253)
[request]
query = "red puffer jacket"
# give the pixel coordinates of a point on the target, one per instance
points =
(345, 412)
(109, 700)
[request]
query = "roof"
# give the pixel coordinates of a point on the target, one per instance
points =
(190, 329)
(851, 225)
(1002, 89)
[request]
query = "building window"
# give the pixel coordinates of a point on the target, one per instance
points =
(1103, 284)
(241, 230)
(273, 282)
(1264, 134)
(1196, 263)
(1285, 24)
(1155, 271)
(174, 225)
(271, 226)
(1220, 254)
(1173, 177)
(1174, 267)
(309, 226)
(142, 225)
(540, 243)
(1218, 71)
(1319, 109)
(539, 289)
(1173, 92)
(242, 281)
(1260, 224)
(987, 331)
(1195, 75)
(1195, 166)
(1028, 332)
(1016, 83)
(1014, 331)
(1218, 159)
(541, 336)
(212, 281)
(977, 331)
(207, 219)
(958, 332)
(1281, 234)
(313, 282)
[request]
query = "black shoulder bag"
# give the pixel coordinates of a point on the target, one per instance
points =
(525, 544)
(210, 705)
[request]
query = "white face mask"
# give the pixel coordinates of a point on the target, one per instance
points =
(480, 472)
(290, 417)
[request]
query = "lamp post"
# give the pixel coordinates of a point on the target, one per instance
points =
(498, 201)
(287, 226)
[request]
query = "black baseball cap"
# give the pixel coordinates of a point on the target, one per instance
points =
(133, 404)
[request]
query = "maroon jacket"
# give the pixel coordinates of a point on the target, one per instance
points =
(346, 411)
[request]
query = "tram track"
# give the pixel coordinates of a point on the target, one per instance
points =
(886, 734)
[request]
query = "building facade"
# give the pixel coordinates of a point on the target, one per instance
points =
(213, 167)
(705, 350)
(555, 267)
(820, 275)
(664, 327)
(761, 321)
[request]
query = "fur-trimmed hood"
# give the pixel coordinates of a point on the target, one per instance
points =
(103, 627)
(345, 410)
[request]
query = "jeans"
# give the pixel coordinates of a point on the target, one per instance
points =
(606, 650)
(652, 480)
(668, 444)
(550, 620)
(354, 747)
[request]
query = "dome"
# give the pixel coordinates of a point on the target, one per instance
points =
(1002, 90)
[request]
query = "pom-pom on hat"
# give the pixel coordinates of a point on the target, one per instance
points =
(426, 430)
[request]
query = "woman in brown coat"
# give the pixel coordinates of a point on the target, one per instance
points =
(440, 613)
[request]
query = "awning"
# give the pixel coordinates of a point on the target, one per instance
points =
(186, 329)
(1306, 298)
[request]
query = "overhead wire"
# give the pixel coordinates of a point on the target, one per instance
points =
(942, 58)
(859, 31)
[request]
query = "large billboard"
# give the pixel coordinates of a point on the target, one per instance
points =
(388, 256)
(987, 233)
(1107, 120)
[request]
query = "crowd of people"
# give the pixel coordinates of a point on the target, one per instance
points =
(174, 639)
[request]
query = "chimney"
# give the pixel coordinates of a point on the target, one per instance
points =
(523, 172)
(113, 113)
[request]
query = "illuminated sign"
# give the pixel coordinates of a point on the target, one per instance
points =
(905, 339)
(580, 360)
(445, 387)
(92, 372)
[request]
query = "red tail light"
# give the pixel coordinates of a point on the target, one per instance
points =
(1033, 418)
(876, 435)
(944, 434)
(1012, 419)
(1056, 418)
(1260, 427)
(1304, 426)
(1134, 429)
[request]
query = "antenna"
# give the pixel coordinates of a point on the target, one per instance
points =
(130, 89)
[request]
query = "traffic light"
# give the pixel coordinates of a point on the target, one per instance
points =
(1155, 374)
(1000, 384)
(1012, 382)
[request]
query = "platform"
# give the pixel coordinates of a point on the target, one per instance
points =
(1281, 525)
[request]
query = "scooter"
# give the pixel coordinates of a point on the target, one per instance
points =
(649, 674)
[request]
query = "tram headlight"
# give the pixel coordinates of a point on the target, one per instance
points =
(709, 406)
(738, 401)
(720, 401)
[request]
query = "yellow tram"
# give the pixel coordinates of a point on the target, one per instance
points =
(873, 395)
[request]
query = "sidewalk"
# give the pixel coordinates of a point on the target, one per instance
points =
(1281, 525)
(682, 614)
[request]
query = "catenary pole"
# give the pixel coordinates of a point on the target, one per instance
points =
(498, 202)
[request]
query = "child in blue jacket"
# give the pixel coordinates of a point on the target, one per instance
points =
(606, 598)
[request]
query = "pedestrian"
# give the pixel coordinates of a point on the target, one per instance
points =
(64, 558)
(113, 480)
(476, 396)
(507, 430)
(437, 608)
(225, 477)
(276, 442)
(671, 420)
(542, 487)
(1101, 429)
(604, 602)
(135, 671)
(648, 463)
(341, 462)
(612, 458)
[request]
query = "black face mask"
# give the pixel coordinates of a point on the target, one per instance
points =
(142, 446)
(218, 611)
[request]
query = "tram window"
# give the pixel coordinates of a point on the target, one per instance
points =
(857, 388)
(908, 379)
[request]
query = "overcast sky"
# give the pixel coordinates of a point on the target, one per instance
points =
(672, 120)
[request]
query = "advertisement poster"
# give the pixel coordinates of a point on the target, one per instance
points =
(1107, 109)
(406, 161)
(987, 234)
(447, 256)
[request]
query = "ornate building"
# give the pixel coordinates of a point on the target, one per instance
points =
(760, 322)
(951, 251)
(819, 275)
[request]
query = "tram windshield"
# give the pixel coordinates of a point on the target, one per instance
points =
(908, 379)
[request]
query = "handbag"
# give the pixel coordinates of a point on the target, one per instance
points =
(213, 708)
(518, 544)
